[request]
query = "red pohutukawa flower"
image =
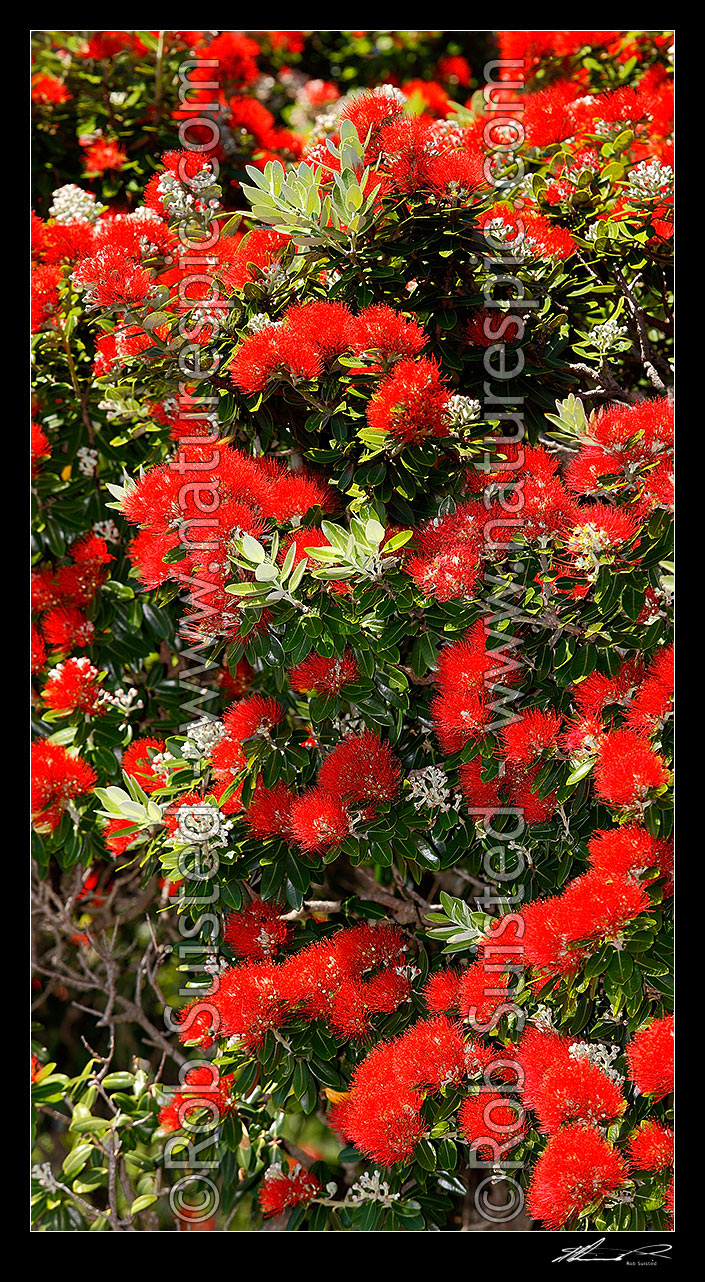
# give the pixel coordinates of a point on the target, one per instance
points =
(119, 835)
(256, 715)
(483, 995)
(102, 155)
(346, 980)
(319, 821)
(384, 334)
(650, 1058)
(299, 347)
(650, 1147)
(38, 651)
(446, 575)
(465, 671)
(598, 691)
(441, 991)
(142, 760)
(109, 279)
(628, 769)
(576, 1090)
(58, 776)
(496, 1119)
(257, 931)
(39, 447)
(479, 794)
(361, 768)
(280, 1190)
(629, 852)
(411, 403)
(528, 738)
(595, 533)
(49, 90)
(203, 1088)
(320, 675)
(382, 1114)
(577, 1167)
(653, 701)
(74, 686)
(592, 908)
(269, 812)
(67, 628)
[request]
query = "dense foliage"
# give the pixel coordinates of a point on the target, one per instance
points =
(352, 664)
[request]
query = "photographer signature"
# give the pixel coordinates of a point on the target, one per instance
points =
(590, 1252)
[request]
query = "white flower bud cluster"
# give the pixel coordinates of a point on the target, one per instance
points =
(87, 461)
(201, 823)
(463, 410)
(325, 123)
(607, 335)
(543, 1019)
(371, 1188)
(181, 200)
(71, 204)
(261, 321)
(501, 233)
(45, 1176)
(107, 530)
(599, 1054)
(263, 87)
(124, 700)
(390, 91)
(202, 738)
(114, 411)
(590, 543)
(649, 179)
(429, 788)
(448, 132)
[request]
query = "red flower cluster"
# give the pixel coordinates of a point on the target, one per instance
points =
(72, 585)
(203, 1088)
(102, 155)
(49, 90)
(529, 232)
(347, 980)
(74, 686)
(382, 1114)
(320, 675)
(280, 1190)
(560, 932)
(357, 773)
(311, 336)
(651, 1147)
(139, 761)
(65, 628)
(461, 709)
(411, 403)
(58, 776)
(495, 1118)
(630, 852)
(627, 455)
(562, 1084)
(650, 1058)
(257, 931)
(627, 769)
(243, 494)
(577, 1167)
